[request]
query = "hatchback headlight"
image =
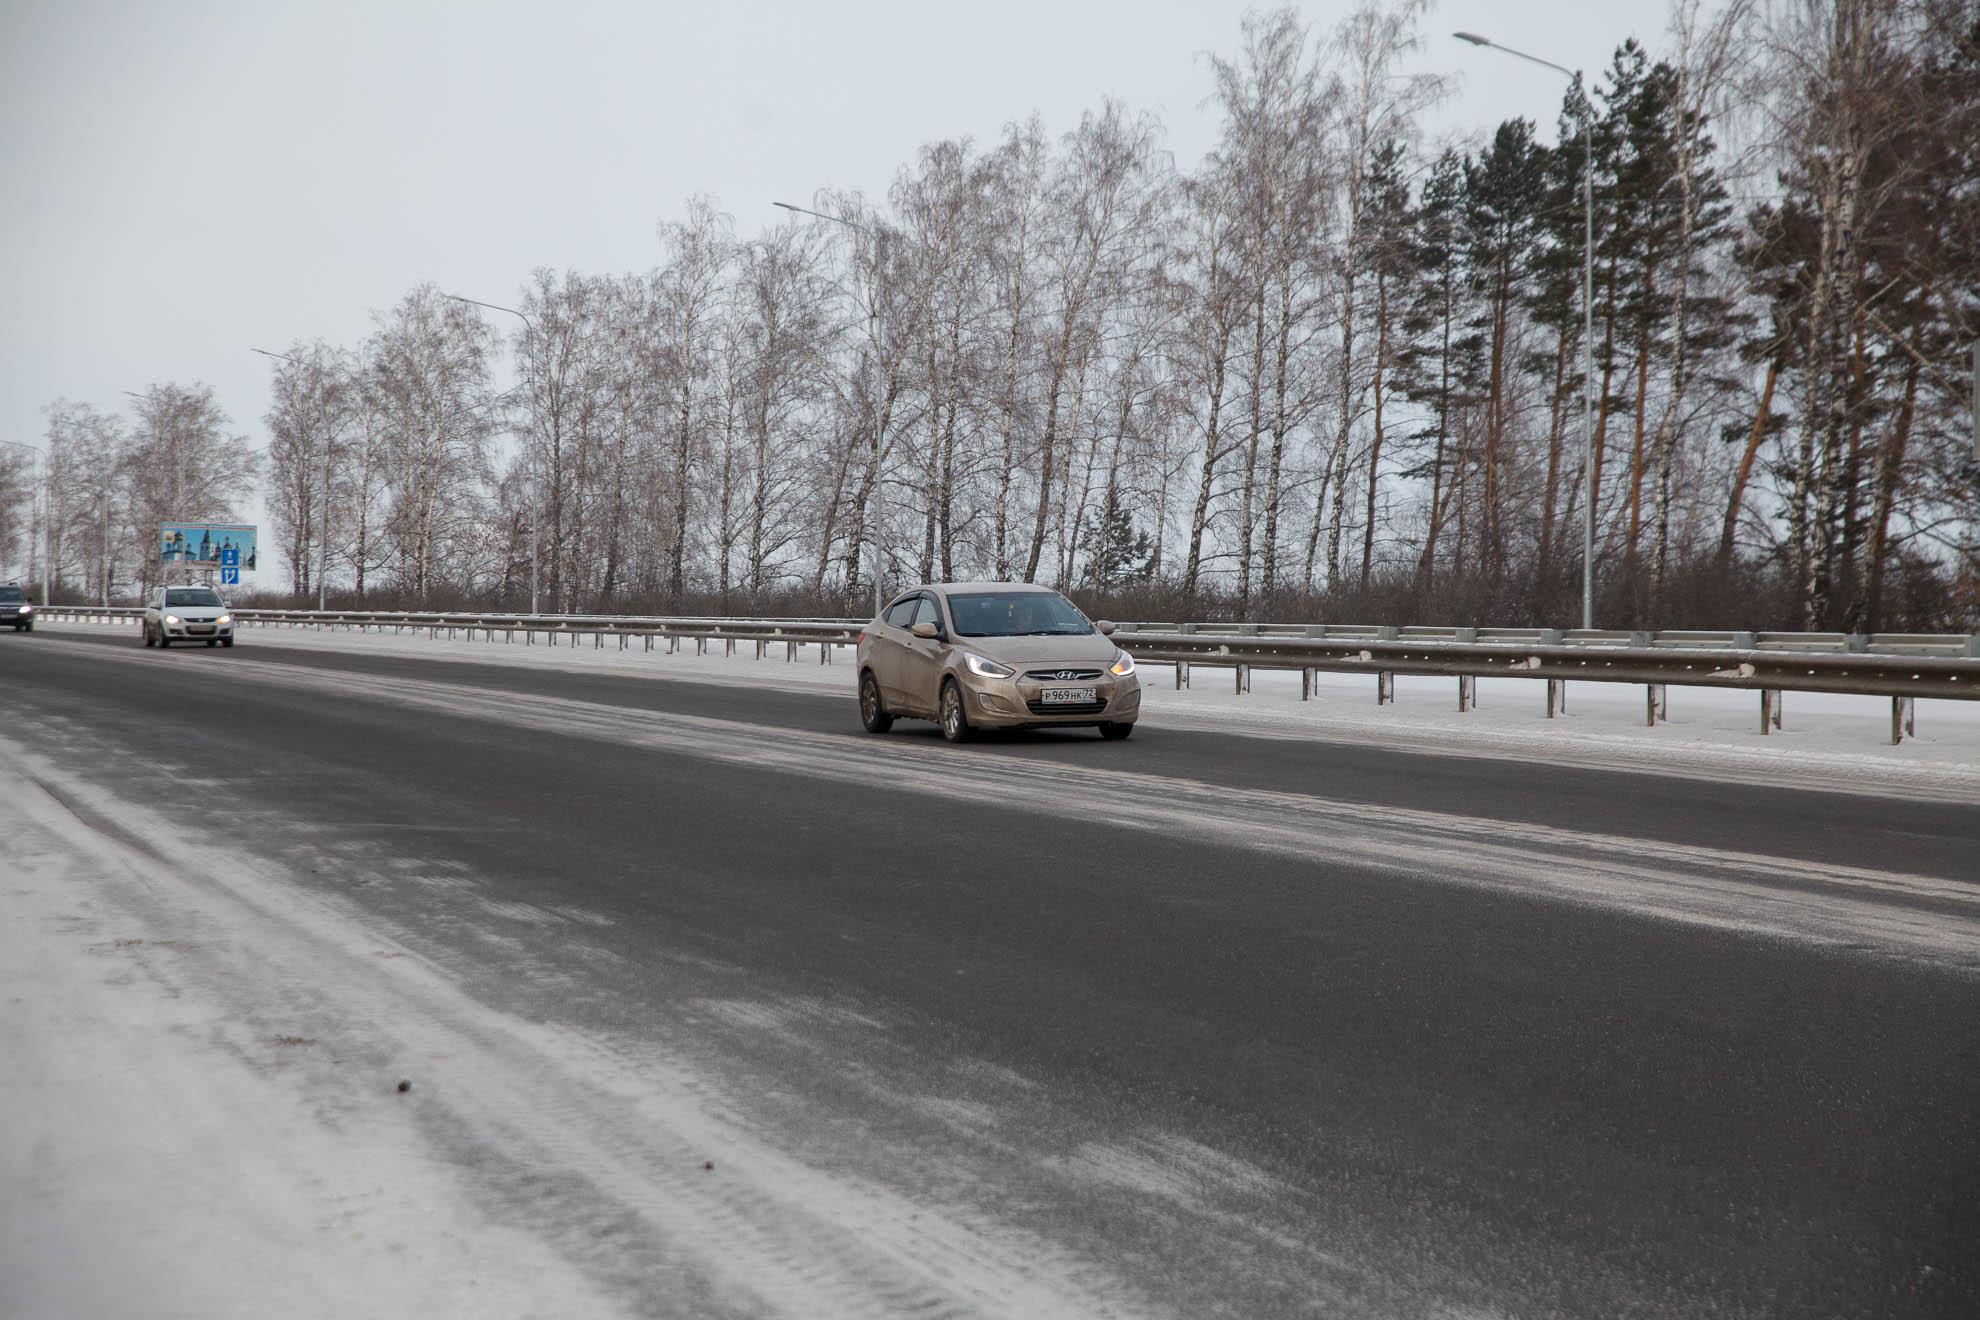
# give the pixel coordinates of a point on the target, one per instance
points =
(171, 618)
(1123, 664)
(225, 618)
(27, 609)
(986, 668)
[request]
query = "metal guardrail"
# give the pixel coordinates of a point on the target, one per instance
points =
(1943, 644)
(1902, 666)
(650, 631)
(1770, 673)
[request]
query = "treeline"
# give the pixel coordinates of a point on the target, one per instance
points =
(1334, 369)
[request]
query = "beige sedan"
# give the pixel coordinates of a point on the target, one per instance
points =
(993, 655)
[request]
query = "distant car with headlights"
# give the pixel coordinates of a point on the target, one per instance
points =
(993, 655)
(15, 609)
(187, 614)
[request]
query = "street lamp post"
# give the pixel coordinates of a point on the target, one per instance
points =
(535, 482)
(323, 538)
(45, 462)
(1587, 326)
(879, 237)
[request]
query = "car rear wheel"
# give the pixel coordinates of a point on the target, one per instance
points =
(872, 713)
(955, 720)
(1116, 732)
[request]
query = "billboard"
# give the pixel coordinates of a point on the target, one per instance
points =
(207, 545)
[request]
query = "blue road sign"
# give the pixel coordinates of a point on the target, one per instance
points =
(230, 575)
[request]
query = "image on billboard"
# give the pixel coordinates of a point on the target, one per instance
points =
(207, 545)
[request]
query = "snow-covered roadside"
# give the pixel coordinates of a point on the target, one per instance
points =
(201, 1119)
(158, 1158)
(1828, 741)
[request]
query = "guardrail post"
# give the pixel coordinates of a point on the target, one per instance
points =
(728, 647)
(824, 653)
(1903, 719)
(1743, 641)
(1306, 684)
(1467, 687)
(760, 645)
(1182, 674)
(790, 652)
(1656, 703)
(1385, 688)
(1556, 696)
(701, 646)
(1856, 643)
(1466, 636)
(1642, 640)
(1770, 710)
(1243, 679)
(1973, 647)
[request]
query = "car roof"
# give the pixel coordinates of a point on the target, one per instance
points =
(991, 588)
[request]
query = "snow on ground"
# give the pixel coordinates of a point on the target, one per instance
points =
(200, 1117)
(157, 1161)
(1828, 740)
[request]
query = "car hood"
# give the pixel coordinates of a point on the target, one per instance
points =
(194, 613)
(1091, 648)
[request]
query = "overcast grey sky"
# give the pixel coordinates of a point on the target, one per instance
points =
(183, 181)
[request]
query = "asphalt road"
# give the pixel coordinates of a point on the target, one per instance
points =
(1377, 1080)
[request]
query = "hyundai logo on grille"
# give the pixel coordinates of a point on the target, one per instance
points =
(1063, 675)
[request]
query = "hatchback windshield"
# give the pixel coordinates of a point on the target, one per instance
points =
(1017, 614)
(191, 596)
(11, 594)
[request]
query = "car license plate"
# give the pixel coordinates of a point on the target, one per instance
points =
(1067, 696)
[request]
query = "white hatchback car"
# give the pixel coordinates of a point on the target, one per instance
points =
(187, 614)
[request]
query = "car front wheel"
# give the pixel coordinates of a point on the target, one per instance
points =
(1116, 732)
(955, 720)
(145, 628)
(872, 713)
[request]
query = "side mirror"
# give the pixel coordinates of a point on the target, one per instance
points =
(1106, 627)
(927, 632)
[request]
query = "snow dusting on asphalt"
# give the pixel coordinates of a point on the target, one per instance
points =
(1829, 741)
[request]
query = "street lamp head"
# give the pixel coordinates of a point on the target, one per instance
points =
(787, 206)
(1473, 38)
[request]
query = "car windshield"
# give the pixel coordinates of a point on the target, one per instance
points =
(191, 596)
(1017, 614)
(11, 594)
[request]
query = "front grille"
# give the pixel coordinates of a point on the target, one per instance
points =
(1063, 675)
(1060, 708)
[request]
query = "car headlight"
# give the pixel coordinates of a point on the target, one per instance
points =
(986, 668)
(171, 618)
(225, 618)
(1123, 664)
(27, 609)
